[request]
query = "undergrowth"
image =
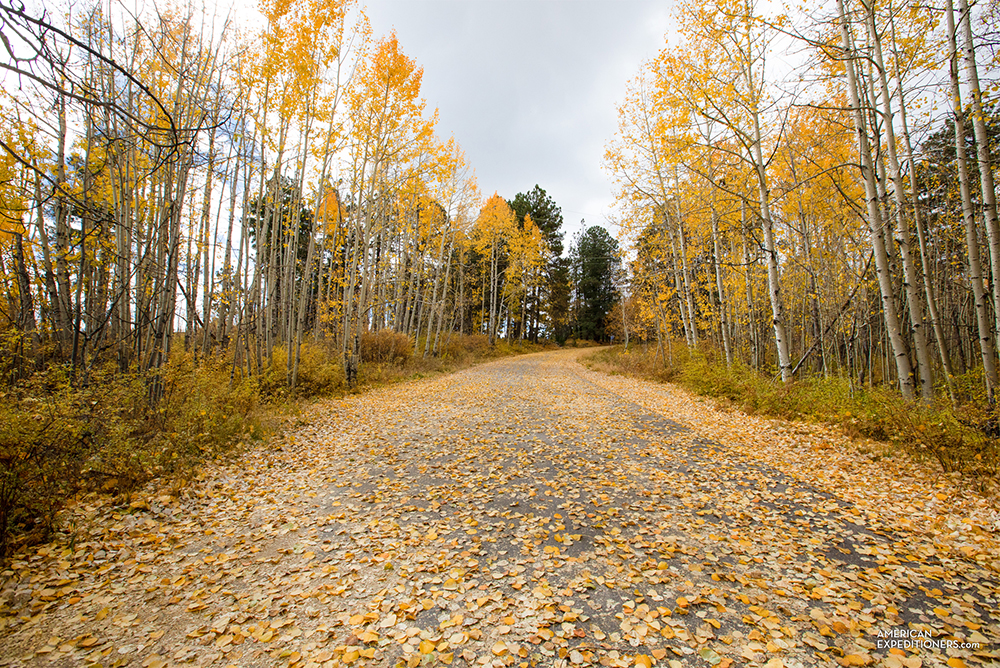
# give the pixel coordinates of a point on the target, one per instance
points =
(63, 438)
(961, 439)
(455, 351)
(104, 434)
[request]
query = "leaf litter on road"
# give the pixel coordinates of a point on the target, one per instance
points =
(524, 512)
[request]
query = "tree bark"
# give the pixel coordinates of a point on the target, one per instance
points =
(932, 305)
(875, 222)
(905, 244)
(983, 155)
(986, 348)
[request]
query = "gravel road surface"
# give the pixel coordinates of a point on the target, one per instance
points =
(525, 512)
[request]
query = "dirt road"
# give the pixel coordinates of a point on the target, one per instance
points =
(525, 512)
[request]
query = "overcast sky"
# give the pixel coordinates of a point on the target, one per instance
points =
(529, 88)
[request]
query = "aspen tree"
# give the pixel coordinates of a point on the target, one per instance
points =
(987, 187)
(909, 270)
(875, 221)
(986, 348)
(918, 223)
(727, 44)
(493, 227)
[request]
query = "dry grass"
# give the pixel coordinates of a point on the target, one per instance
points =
(60, 439)
(963, 439)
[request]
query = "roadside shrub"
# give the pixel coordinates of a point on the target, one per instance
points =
(106, 433)
(385, 347)
(463, 348)
(503, 348)
(199, 416)
(320, 372)
(965, 439)
(476, 345)
(644, 363)
(43, 445)
(451, 348)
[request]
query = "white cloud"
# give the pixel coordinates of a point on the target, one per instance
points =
(529, 88)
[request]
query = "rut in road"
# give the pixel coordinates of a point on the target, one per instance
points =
(523, 512)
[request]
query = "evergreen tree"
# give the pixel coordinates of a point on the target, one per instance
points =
(595, 263)
(548, 305)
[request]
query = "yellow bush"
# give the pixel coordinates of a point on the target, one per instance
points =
(464, 346)
(320, 372)
(385, 347)
(111, 431)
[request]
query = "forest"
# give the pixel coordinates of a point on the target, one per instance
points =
(226, 240)
(793, 192)
(200, 216)
(811, 196)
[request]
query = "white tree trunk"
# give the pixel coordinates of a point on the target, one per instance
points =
(969, 216)
(909, 270)
(903, 368)
(983, 155)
